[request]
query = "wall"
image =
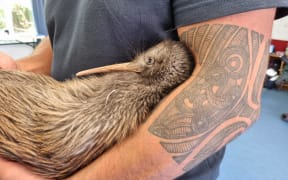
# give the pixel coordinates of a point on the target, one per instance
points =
(280, 34)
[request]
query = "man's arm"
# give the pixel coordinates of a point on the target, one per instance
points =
(39, 61)
(215, 105)
(12, 171)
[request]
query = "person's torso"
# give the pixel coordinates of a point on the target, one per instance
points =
(91, 33)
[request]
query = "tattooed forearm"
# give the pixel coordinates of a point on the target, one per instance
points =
(224, 98)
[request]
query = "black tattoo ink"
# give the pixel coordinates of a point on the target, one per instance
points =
(220, 93)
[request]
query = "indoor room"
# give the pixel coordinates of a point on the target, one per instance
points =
(259, 153)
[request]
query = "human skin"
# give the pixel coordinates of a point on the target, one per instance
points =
(7, 62)
(39, 61)
(217, 103)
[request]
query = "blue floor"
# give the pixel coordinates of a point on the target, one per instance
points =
(262, 152)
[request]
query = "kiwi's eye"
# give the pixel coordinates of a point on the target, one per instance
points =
(149, 60)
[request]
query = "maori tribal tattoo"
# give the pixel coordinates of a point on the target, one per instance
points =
(223, 99)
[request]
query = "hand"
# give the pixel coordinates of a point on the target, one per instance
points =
(7, 62)
(13, 171)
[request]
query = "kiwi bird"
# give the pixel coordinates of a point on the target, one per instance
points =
(56, 128)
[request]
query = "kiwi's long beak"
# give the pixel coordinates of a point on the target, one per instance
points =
(131, 66)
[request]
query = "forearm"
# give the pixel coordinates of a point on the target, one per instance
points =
(39, 61)
(216, 104)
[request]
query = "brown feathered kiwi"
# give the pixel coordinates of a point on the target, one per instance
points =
(56, 128)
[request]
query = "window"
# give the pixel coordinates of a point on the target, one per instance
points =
(16, 19)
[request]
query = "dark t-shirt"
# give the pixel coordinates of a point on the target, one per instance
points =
(91, 33)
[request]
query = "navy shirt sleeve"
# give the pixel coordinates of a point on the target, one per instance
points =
(193, 11)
